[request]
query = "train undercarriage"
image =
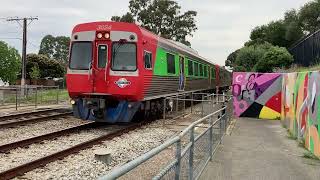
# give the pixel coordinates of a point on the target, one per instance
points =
(106, 109)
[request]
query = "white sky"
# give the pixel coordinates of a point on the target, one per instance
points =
(223, 25)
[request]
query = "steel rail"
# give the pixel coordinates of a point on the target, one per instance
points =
(20, 170)
(23, 114)
(34, 119)
(23, 143)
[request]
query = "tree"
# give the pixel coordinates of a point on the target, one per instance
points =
(10, 63)
(47, 67)
(310, 16)
(162, 17)
(293, 25)
(232, 58)
(275, 57)
(55, 47)
(125, 18)
(35, 72)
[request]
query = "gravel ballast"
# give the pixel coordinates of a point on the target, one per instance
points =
(32, 152)
(19, 133)
(123, 149)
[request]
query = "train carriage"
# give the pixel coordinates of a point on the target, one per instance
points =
(118, 69)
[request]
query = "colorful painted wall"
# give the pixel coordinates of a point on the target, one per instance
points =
(295, 97)
(257, 95)
(301, 107)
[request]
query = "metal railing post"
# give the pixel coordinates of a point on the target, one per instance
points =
(210, 137)
(164, 110)
(191, 101)
(41, 92)
(184, 104)
(36, 97)
(221, 126)
(202, 113)
(191, 154)
(177, 104)
(178, 157)
(57, 94)
(16, 98)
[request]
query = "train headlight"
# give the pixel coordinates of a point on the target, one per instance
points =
(73, 102)
(107, 35)
(99, 35)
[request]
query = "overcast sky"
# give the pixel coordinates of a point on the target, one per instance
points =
(223, 25)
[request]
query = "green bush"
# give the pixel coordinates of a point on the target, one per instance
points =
(262, 58)
(275, 57)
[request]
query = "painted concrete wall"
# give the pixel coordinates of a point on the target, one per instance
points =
(257, 95)
(295, 97)
(301, 107)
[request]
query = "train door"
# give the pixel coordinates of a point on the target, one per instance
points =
(99, 67)
(181, 73)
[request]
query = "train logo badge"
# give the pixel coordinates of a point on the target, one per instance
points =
(122, 83)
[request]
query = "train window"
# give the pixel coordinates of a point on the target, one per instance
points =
(171, 66)
(81, 55)
(124, 56)
(190, 68)
(147, 60)
(196, 69)
(201, 70)
(213, 73)
(102, 56)
(205, 71)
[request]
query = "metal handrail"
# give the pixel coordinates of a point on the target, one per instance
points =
(143, 158)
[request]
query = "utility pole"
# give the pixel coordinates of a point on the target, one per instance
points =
(24, 43)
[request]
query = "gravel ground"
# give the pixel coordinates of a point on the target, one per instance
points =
(123, 149)
(35, 151)
(19, 133)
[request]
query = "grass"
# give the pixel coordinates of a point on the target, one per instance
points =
(47, 96)
(296, 68)
(291, 136)
(310, 155)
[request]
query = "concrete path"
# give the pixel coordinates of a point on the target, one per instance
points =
(260, 149)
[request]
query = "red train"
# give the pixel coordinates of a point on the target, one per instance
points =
(117, 70)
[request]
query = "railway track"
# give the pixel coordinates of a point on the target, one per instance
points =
(20, 170)
(23, 143)
(31, 117)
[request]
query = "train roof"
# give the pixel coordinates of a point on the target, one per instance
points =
(162, 42)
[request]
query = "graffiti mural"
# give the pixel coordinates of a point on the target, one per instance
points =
(257, 95)
(312, 137)
(288, 106)
(295, 97)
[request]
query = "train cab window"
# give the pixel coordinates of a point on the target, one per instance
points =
(196, 69)
(147, 60)
(81, 55)
(190, 68)
(205, 71)
(171, 66)
(102, 56)
(201, 70)
(124, 56)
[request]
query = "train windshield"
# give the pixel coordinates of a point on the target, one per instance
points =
(81, 55)
(124, 57)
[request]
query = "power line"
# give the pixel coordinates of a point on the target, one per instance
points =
(24, 41)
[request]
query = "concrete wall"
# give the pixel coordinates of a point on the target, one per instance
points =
(301, 107)
(295, 97)
(257, 95)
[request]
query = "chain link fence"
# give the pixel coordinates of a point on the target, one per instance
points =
(188, 152)
(24, 96)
